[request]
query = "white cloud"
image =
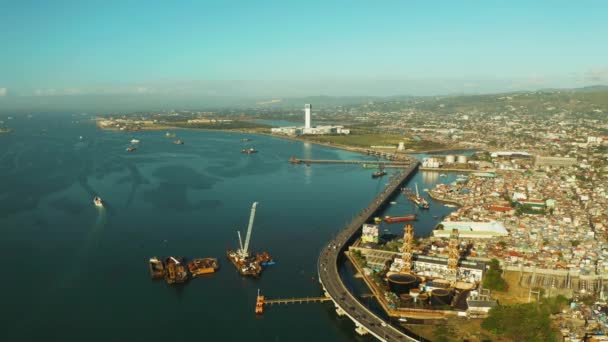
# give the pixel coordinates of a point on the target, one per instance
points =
(3, 91)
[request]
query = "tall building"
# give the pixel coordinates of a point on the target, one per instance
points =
(307, 109)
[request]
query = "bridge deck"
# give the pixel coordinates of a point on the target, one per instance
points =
(329, 275)
(296, 300)
(339, 161)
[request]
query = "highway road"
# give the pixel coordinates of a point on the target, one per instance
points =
(328, 265)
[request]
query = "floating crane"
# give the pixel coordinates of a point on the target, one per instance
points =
(245, 263)
(243, 251)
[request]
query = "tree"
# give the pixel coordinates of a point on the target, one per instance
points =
(525, 322)
(493, 279)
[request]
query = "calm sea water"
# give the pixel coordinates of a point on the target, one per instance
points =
(73, 272)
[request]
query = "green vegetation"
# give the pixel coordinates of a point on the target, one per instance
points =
(359, 258)
(237, 124)
(528, 209)
(525, 322)
(493, 279)
(442, 334)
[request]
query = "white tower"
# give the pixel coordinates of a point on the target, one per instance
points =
(307, 109)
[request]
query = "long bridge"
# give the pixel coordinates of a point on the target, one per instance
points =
(345, 302)
(399, 163)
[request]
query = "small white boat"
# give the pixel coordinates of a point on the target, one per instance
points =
(134, 141)
(81, 137)
(98, 201)
(425, 190)
(393, 202)
(450, 205)
(442, 175)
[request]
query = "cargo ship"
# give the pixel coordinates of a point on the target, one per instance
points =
(378, 174)
(396, 219)
(157, 268)
(201, 266)
(249, 150)
(176, 271)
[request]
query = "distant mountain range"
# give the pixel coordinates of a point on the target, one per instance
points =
(150, 102)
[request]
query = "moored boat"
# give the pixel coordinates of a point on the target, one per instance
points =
(395, 219)
(249, 150)
(176, 271)
(157, 268)
(200, 266)
(378, 174)
(98, 201)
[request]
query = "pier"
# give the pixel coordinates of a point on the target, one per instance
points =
(296, 300)
(395, 163)
(366, 321)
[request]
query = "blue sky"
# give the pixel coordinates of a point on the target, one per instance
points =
(299, 47)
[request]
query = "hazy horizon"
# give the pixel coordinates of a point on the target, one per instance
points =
(181, 51)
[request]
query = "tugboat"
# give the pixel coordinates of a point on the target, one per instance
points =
(98, 201)
(200, 266)
(178, 142)
(131, 149)
(249, 150)
(265, 259)
(176, 272)
(157, 268)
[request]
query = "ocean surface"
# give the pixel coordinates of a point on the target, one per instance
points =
(74, 272)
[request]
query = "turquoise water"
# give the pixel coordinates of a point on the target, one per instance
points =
(73, 272)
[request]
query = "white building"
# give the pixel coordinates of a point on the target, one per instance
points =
(471, 229)
(308, 128)
(307, 109)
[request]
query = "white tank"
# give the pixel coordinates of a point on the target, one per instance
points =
(450, 159)
(462, 159)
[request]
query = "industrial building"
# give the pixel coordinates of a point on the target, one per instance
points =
(471, 229)
(541, 161)
(308, 129)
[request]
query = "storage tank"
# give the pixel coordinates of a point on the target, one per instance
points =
(405, 298)
(441, 297)
(422, 298)
(402, 283)
(450, 159)
(462, 159)
(415, 293)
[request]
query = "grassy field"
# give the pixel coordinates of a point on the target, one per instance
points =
(456, 329)
(365, 140)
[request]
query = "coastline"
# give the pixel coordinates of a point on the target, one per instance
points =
(359, 150)
(446, 200)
